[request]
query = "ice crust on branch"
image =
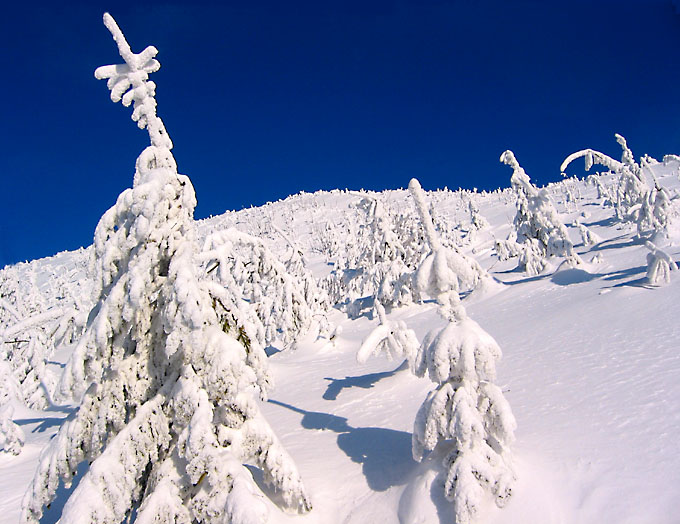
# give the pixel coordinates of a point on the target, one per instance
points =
(167, 419)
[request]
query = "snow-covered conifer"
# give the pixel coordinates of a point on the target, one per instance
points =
(589, 238)
(537, 222)
(285, 306)
(659, 266)
(477, 220)
(11, 436)
(167, 420)
(444, 269)
(466, 416)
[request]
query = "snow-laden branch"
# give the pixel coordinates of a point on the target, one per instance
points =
(30, 322)
(592, 157)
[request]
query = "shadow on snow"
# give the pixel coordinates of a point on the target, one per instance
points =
(385, 454)
(364, 381)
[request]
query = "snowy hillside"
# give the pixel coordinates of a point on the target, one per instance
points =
(336, 357)
(590, 369)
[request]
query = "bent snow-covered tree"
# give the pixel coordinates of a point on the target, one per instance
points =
(537, 224)
(168, 419)
(445, 269)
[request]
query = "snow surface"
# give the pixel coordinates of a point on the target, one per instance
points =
(590, 368)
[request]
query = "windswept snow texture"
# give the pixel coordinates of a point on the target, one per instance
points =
(590, 367)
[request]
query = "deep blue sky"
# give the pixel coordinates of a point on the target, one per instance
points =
(266, 99)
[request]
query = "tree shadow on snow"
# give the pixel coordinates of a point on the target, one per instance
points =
(44, 423)
(612, 244)
(567, 277)
(605, 222)
(626, 273)
(385, 454)
(363, 381)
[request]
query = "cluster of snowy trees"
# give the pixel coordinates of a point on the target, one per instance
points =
(634, 199)
(42, 307)
(539, 233)
(638, 199)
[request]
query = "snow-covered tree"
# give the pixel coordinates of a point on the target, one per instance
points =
(11, 436)
(167, 419)
(284, 306)
(477, 220)
(589, 238)
(537, 223)
(466, 416)
(444, 269)
(659, 266)
(384, 265)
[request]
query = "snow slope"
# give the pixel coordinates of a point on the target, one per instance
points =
(591, 370)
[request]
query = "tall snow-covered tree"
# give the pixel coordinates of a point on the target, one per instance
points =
(167, 419)
(537, 223)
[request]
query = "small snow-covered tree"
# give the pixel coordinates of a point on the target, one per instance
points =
(167, 419)
(659, 266)
(538, 226)
(466, 416)
(393, 338)
(477, 220)
(589, 238)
